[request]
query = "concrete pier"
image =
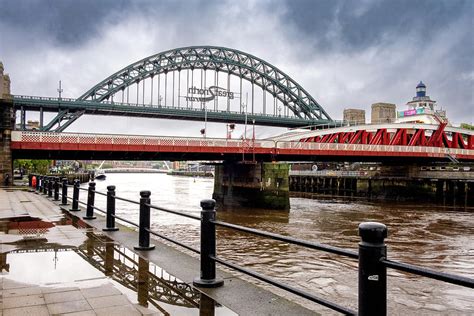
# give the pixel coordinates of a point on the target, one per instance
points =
(260, 185)
(6, 126)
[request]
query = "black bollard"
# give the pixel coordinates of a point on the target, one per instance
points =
(75, 196)
(372, 273)
(45, 185)
(38, 183)
(110, 218)
(90, 202)
(144, 225)
(56, 188)
(64, 192)
(208, 247)
(50, 187)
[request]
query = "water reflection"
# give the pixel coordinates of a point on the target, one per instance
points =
(37, 252)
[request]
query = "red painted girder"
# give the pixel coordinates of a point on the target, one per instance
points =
(437, 137)
(418, 139)
(379, 137)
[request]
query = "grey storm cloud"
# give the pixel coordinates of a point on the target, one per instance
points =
(344, 53)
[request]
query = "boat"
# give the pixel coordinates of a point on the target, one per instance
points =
(99, 173)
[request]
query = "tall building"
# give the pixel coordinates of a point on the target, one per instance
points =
(354, 116)
(4, 83)
(421, 109)
(383, 113)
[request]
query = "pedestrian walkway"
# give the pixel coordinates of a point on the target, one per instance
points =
(54, 262)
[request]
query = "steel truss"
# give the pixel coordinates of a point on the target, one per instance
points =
(219, 59)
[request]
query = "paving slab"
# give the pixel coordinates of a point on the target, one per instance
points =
(239, 295)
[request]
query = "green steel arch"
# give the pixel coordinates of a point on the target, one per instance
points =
(221, 59)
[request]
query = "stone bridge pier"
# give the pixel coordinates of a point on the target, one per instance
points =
(254, 185)
(7, 122)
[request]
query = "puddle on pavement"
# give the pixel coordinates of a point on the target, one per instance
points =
(67, 253)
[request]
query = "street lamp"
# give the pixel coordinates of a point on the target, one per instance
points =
(205, 119)
(159, 100)
(253, 127)
(229, 130)
(244, 108)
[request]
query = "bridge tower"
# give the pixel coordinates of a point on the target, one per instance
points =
(7, 121)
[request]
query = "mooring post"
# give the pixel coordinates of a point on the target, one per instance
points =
(45, 185)
(208, 247)
(144, 224)
(56, 188)
(64, 192)
(50, 187)
(372, 272)
(110, 217)
(75, 196)
(90, 201)
(38, 183)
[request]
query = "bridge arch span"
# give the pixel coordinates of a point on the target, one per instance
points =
(220, 59)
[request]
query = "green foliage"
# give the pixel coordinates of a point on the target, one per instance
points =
(32, 165)
(467, 126)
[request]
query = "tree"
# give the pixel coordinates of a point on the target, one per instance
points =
(32, 165)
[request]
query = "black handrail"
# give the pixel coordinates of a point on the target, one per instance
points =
(286, 287)
(174, 212)
(290, 240)
(371, 256)
(441, 276)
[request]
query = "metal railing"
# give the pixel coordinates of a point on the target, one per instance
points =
(226, 145)
(372, 254)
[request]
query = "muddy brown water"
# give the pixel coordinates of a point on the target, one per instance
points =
(421, 234)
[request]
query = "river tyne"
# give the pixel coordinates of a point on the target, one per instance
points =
(425, 235)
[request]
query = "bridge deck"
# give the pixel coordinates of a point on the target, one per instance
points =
(103, 146)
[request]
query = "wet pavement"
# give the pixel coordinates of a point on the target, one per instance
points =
(54, 264)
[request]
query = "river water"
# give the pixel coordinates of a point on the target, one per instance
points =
(426, 235)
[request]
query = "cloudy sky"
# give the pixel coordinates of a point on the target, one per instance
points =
(346, 54)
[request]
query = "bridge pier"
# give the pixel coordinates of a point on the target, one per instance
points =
(256, 185)
(6, 127)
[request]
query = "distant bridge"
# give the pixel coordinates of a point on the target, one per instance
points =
(201, 83)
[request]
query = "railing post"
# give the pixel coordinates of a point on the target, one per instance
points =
(90, 202)
(50, 187)
(64, 192)
(208, 247)
(75, 196)
(56, 188)
(110, 217)
(38, 183)
(144, 225)
(45, 185)
(372, 272)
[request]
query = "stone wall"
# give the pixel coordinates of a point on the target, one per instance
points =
(6, 127)
(354, 116)
(383, 113)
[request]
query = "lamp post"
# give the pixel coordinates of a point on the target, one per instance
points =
(229, 129)
(244, 107)
(205, 120)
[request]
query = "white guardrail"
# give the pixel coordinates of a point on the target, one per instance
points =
(103, 139)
